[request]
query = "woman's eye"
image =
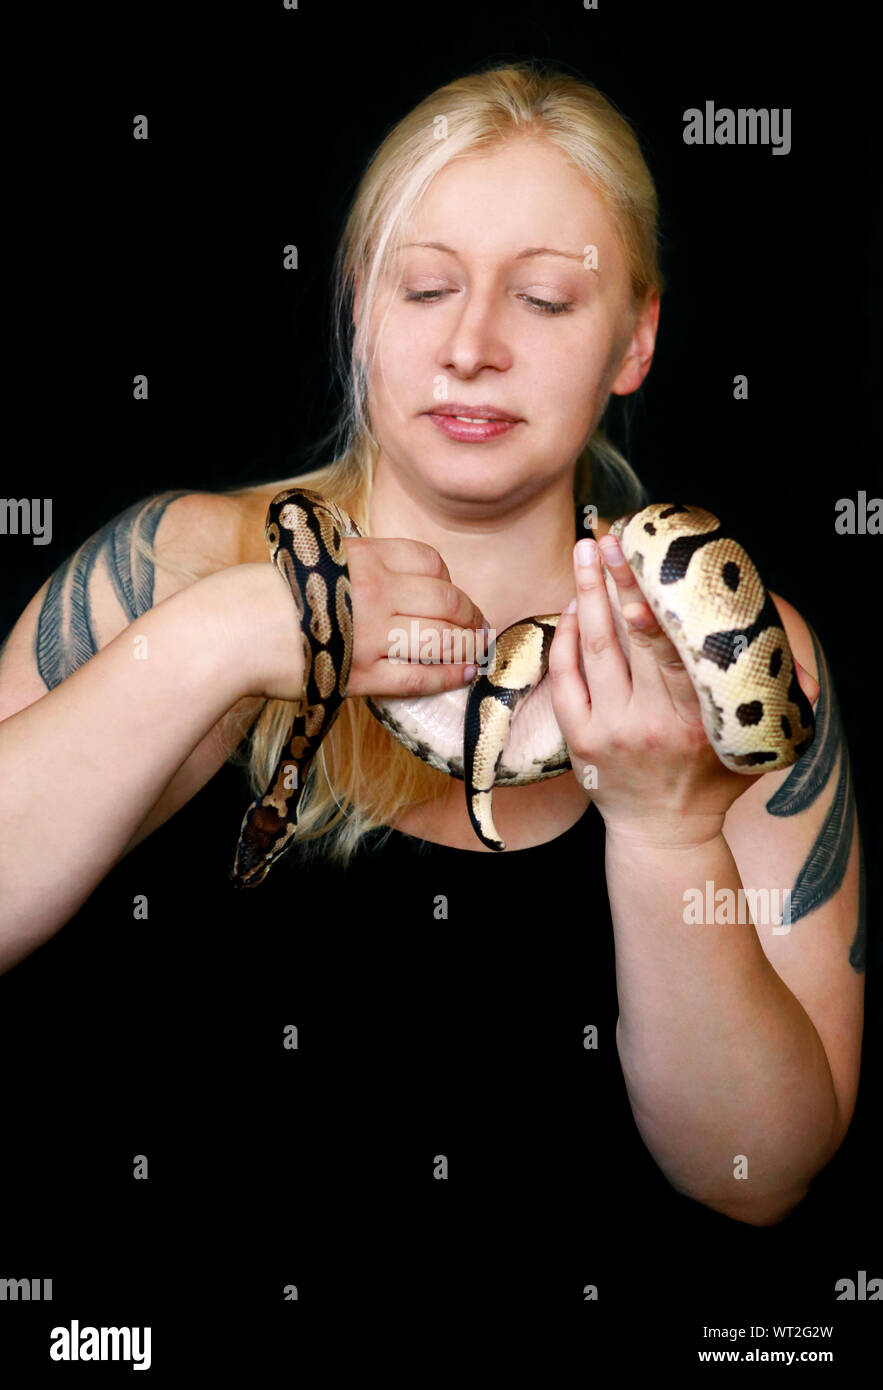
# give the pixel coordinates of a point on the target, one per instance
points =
(549, 306)
(424, 296)
(545, 306)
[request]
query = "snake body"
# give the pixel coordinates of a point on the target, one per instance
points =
(701, 585)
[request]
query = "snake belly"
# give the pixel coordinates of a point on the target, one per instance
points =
(501, 731)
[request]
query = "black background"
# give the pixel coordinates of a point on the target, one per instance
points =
(165, 257)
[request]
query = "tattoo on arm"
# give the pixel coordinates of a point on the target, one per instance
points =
(825, 866)
(65, 639)
(858, 949)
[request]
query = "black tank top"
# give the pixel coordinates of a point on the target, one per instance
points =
(456, 1007)
(440, 1139)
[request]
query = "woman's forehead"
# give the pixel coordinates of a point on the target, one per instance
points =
(507, 205)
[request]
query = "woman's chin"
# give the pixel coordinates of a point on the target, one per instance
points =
(474, 481)
(491, 496)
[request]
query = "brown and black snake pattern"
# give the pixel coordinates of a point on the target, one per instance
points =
(700, 583)
(304, 533)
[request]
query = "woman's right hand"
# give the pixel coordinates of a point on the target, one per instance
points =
(395, 582)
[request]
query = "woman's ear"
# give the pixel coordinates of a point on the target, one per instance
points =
(639, 354)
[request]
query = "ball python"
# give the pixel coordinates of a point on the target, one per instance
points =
(501, 731)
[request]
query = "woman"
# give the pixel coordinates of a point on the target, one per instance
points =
(501, 253)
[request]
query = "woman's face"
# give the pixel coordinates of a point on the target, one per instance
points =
(479, 324)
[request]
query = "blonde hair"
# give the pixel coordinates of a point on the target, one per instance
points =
(362, 777)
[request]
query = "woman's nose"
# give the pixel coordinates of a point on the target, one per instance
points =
(476, 338)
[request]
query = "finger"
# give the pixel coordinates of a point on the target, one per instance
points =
(657, 668)
(404, 680)
(627, 588)
(435, 600)
(410, 638)
(570, 697)
(655, 662)
(607, 674)
(405, 556)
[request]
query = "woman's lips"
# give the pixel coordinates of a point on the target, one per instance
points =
(471, 433)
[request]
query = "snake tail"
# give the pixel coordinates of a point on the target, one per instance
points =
(306, 546)
(520, 661)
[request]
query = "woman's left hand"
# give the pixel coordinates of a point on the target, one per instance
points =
(635, 736)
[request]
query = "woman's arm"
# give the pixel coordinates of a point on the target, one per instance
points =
(739, 1044)
(742, 1037)
(122, 691)
(103, 587)
(727, 1076)
(83, 766)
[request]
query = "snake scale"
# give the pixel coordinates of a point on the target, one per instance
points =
(701, 585)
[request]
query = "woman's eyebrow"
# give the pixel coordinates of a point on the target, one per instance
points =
(521, 256)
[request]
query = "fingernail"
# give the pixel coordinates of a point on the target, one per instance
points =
(571, 607)
(469, 674)
(586, 552)
(612, 550)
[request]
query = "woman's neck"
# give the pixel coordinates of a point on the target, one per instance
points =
(513, 561)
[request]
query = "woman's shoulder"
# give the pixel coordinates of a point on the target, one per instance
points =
(211, 529)
(144, 554)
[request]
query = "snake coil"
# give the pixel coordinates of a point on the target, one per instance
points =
(704, 592)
